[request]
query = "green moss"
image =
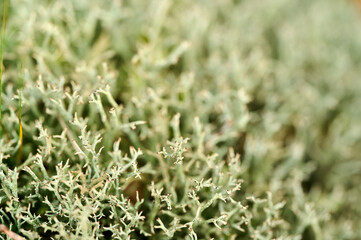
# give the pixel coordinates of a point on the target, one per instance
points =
(181, 120)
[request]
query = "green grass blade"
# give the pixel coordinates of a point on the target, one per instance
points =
(20, 82)
(3, 28)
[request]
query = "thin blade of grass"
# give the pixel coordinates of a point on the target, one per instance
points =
(20, 153)
(3, 28)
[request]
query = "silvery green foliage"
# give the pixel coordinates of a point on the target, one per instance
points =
(182, 120)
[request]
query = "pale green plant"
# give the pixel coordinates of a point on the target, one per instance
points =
(181, 120)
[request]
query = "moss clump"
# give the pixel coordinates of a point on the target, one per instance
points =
(182, 120)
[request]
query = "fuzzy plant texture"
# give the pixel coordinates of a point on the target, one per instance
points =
(163, 119)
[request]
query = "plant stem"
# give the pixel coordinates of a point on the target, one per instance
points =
(20, 124)
(3, 28)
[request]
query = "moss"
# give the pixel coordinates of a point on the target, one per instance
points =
(181, 120)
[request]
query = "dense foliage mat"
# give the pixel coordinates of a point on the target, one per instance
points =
(160, 119)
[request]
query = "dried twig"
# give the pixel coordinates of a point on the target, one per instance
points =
(10, 233)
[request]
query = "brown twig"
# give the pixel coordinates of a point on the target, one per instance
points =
(10, 233)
